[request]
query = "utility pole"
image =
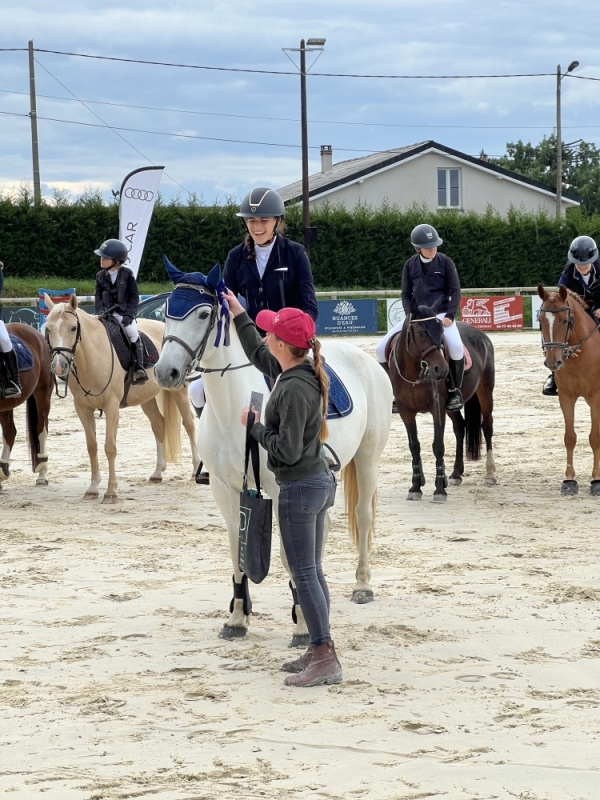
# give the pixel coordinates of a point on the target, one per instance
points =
(306, 237)
(558, 146)
(37, 192)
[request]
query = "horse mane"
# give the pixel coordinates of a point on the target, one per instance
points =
(577, 298)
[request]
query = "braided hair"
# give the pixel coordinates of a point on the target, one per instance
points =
(249, 241)
(322, 377)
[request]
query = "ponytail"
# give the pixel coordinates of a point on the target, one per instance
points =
(249, 244)
(322, 377)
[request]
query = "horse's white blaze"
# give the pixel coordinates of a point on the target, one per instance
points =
(550, 319)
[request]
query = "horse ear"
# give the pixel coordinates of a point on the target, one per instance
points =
(175, 275)
(48, 301)
(214, 277)
(436, 306)
(542, 292)
(562, 292)
(73, 302)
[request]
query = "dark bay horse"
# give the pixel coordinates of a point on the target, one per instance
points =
(37, 385)
(571, 343)
(418, 371)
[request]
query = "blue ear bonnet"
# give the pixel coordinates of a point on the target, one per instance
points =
(194, 289)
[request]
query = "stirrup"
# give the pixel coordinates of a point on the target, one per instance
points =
(454, 400)
(13, 390)
(139, 377)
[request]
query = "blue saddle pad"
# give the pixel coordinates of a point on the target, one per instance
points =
(340, 402)
(24, 356)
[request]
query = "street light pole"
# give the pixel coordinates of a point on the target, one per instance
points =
(559, 78)
(37, 192)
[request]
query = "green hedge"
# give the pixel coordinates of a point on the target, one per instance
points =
(359, 248)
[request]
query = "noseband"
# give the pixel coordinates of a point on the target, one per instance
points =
(568, 350)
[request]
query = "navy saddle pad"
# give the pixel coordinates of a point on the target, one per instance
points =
(24, 356)
(340, 402)
(121, 346)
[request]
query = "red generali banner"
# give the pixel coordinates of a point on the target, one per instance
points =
(492, 313)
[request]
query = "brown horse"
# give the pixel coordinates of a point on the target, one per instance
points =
(418, 371)
(37, 385)
(571, 344)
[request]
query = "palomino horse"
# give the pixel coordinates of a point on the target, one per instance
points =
(572, 348)
(418, 373)
(83, 355)
(37, 387)
(193, 336)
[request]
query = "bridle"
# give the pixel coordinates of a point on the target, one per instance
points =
(424, 373)
(69, 354)
(567, 349)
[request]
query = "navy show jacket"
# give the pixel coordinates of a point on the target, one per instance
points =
(123, 293)
(572, 280)
(287, 280)
(441, 282)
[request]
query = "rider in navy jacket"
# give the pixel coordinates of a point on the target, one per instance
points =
(589, 290)
(441, 280)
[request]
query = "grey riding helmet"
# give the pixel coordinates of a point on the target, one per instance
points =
(425, 236)
(261, 203)
(583, 250)
(113, 248)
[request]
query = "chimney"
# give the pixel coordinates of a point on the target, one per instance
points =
(326, 158)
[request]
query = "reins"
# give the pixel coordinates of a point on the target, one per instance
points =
(568, 350)
(424, 373)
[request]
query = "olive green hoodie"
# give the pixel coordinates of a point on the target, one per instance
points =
(293, 414)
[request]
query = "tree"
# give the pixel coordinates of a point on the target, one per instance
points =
(580, 167)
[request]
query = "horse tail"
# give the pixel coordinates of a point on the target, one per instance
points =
(350, 482)
(473, 428)
(32, 432)
(172, 426)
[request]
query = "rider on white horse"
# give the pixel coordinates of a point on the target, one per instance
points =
(13, 384)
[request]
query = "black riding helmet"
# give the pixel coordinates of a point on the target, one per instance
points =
(583, 250)
(425, 236)
(261, 203)
(113, 248)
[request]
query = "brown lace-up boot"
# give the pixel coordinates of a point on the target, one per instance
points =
(299, 663)
(324, 668)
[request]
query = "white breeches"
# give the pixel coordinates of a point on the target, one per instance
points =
(451, 335)
(5, 342)
(130, 330)
(196, 393)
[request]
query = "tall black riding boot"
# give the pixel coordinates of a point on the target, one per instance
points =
(386, 367)
(13, 384)
(550, 389)
(454, 398)
(139, 373)
(202, 476)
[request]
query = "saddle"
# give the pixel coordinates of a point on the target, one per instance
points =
(121, 345)
(390, 345)
(23, 353)
(340, 402)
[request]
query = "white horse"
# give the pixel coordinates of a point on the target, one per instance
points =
(82, 354)
(193, 336)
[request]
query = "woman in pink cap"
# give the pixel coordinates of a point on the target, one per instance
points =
(295, 428)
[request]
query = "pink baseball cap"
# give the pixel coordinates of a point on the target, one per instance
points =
(291, 325)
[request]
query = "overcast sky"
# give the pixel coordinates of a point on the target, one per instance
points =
(383, 37)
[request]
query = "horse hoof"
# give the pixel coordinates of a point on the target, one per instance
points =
(439, 498)
(362, 596)
(232, 632)
(90, 496)
(595, 488)
(154, 479)
(455, 481)
(41, 482)
(569, 488)
(490, 480)
(109, 499)
(300, 640)
(414, 496)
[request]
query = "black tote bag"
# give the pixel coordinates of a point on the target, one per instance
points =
(256, 518)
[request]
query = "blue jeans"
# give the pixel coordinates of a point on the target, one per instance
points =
(302, 508)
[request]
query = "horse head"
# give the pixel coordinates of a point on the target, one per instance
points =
(557, 321)
(193, 309)
(424, 340)
(63, 332)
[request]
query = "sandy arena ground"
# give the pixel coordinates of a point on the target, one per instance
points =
(475, 674)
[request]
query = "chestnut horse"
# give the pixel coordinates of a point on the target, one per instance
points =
(37, 385)
(571, 345)
(418, 371)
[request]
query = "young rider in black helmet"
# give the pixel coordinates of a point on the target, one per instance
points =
(12, 388)
(582, 276)
(116, 286)
(429, 277)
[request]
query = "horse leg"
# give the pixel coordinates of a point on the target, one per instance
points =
(300, 637)
(86, 416)
(187, 418)
(240, 607)
(486, 401)
(152, 411)
(409, 418)
(595, 445)
(458, 425)
(366, 489)
(111, 412)
(9, 433)
(567, 405)
(439, 424)
(41, 460)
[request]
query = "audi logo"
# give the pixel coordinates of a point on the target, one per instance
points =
(139, 194)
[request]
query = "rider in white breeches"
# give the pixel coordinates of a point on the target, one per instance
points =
(12, 388)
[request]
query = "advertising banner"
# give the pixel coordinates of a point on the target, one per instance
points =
(395, 313)
(137, 198)
(492, 313)
(536, 304)
(340, 317)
